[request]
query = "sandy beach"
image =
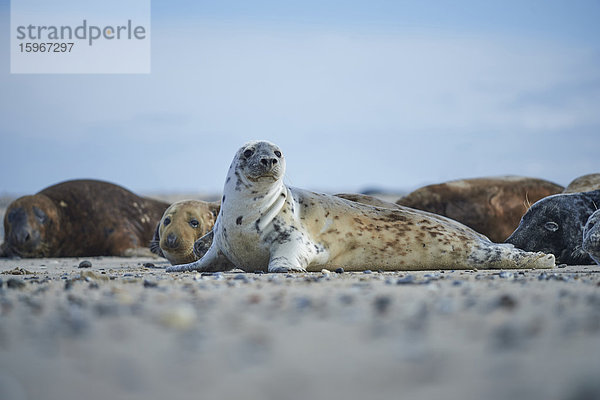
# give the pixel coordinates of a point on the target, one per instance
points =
(123, 328)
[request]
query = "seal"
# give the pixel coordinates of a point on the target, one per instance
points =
(585, 183)
(265, 225)
(202, 245)
(182, 224)
(591, 236)
(555, 225)
(492, 206)
(81, 218)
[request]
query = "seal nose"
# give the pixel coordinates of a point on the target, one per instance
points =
(268, 162)
(22, 236)
(171, 241)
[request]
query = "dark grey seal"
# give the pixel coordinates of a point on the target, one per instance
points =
(556, 224)
(591, 236)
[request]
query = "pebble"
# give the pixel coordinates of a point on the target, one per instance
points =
(241, 277)
(218, 276)
(507, 302)
(339, 270)
(181, 317)
(325, 271)
(90, 275)
(14, 283)
(367, 271)
(408, 279)
(85, 264)
(18, 271)
(506, 274)
(150, 284)
(382, 304)
(457, 283)
(149, 265)
(302, 303)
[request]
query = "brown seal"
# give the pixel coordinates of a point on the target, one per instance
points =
(181, 225)
(80, 218)
(492, 206)
(585, 183)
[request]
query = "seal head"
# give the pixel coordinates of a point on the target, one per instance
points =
(182, 224)
(31, 224)
(555, 224)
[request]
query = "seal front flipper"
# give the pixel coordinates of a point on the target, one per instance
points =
(288, 257)
(284, 264)
(202, 245)
(214, 260)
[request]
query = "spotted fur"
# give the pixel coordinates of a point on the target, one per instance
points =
(290, 229)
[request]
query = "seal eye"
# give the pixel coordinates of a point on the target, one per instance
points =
(194, 223)
(248, 153)
(40, 215)
(11, 216)
(551, 226)
(167, 221)
(278, 153)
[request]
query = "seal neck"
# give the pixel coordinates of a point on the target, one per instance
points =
(259, 201)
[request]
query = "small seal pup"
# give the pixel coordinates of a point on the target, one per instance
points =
(491, 205)
(80, 218)
(265, 225)
(591, 236)
(584, 183)
(555, 225)
(181, 225)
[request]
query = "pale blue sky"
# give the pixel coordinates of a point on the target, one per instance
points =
(358, 94)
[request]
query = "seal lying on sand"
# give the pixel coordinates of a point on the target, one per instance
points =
(181, 225)
(555, 225)
(265, 225)
(591, 236)
(584, 183)
(492, 206)
(80, 218)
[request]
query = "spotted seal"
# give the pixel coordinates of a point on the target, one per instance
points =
(265, 225)
(490, 205)
(182, 224)
(584, 183)
(81, 218)
(591, 236)
(555, 225)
